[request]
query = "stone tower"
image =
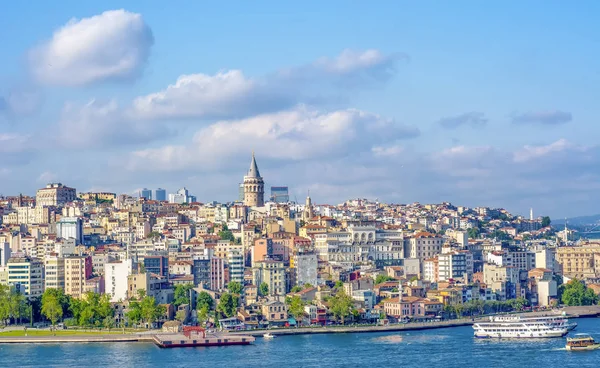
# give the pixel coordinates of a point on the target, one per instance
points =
(308, 209)
(254, 186)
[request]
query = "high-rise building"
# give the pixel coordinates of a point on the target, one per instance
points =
(146, 193)
(182, 196)
(160, 194)
(77, 270)
(70, 228)
(55, 194)
(5, 252)
(54, 271)
(158, 265)
(254, 186)
(115, 280)
(27, 274)
(280, 194)
(241, 193)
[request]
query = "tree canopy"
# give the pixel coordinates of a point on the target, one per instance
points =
(263, 289)
(181, 295)
(228, 304)
(575, 293)
(341, 305)
(235, 287)
(546, 221)
(383, 278)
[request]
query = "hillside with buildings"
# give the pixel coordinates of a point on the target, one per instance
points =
(261, 262)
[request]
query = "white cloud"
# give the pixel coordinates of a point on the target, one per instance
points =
(102, 123)
(528, 153)
(114, 45)
(224, 94)
(231, 94)
(301, 133)
(13, 142)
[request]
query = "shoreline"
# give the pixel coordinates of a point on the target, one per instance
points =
(572, 312)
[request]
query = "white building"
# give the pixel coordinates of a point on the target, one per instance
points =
(115, 279)
(305, 265)
(55, 194)
(235, 261)
(545, 258)
(70, 228)
(455, 265)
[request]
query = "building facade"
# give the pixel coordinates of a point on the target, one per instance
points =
(55, 194)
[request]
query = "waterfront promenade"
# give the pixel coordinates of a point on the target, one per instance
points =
(149, 336)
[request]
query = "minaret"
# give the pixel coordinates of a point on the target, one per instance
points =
(308, 209)
(254, 186)
(531, 214)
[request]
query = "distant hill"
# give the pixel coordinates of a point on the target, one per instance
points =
(579, 220)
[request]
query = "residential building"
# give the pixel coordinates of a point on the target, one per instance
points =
(54, 267)
(115, 277)
(70, 228)
(77, 270)
(457, 264)
(55, 194)
(273, 273)
(27, 274)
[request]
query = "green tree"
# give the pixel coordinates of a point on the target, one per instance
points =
(181, 316)
(51, 307)
(307, 285)
(296, 289)
(203, 314)
(4, 301)
(341, 305)
(226, 235)
(204, 300)
(546, 221)
(575, 293)
(338, 284)
(263, 289)
(235, 287)
(473, 232)
(151, 311)
(228, 304)
(296, 307)
(182, 294)
(383, 278)
(109, 322)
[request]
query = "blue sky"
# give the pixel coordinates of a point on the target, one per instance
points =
(477, 103)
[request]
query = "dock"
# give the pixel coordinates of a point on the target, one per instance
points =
(183, 341)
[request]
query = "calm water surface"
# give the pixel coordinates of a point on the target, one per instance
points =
(451, 347)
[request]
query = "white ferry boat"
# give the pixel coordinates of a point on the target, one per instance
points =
(518, 329)
(561, 321)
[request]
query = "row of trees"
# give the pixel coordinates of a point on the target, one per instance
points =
(481, 307)
(13, 306)
(96, 310)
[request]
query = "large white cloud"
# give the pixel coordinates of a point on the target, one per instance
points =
(300, 133)
(114, 45)
(102, 124)
(231, 94)
(224, 94)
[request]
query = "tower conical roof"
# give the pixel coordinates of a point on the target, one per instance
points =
(253, 172)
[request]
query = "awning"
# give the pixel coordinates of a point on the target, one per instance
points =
(292, 321)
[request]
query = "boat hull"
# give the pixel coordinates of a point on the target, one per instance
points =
(583, 348)
(520, 336)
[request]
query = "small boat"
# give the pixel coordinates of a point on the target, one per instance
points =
(582, 342)
(268, 336)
